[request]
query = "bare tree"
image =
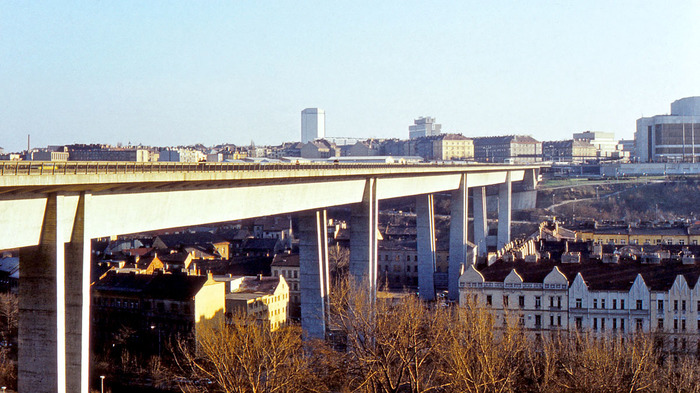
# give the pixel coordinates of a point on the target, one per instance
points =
(244, 357)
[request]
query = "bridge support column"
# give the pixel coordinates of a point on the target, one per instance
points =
(54, 301)
(425, 226)
(459, 227)
(313, 267)
(481, 229)
(363, 240)
(504, 211)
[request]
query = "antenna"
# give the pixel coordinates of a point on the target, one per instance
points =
(29, 138)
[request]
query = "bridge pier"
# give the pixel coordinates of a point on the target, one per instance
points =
(504, 212)
(313, 267)
(459, 230)
(363, 240)
(425, 227)
(53, 353)
(481, 228)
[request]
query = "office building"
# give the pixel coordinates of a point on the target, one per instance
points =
(423, 126)
(313, 124)
(673, 137)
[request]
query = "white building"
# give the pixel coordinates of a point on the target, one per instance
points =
(423, 126)
(313, 124)
(625, 296)
(605, 143)
(670, 138)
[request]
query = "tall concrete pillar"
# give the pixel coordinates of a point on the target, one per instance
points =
(481, 229)
(363, 240)
(54, 301)
(313, 268)
(425, 226)
(504, 212)
(530, 179)
(77, 284)
(459, 224)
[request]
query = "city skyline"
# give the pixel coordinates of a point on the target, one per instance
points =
(180, 74)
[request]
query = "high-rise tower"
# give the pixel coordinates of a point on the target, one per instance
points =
(313, 124)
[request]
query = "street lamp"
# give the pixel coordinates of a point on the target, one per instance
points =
(153, 327)
(102, 384)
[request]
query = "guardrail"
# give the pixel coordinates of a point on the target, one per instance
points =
(24, 168)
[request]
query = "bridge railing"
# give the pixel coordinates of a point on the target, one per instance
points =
(24, 168)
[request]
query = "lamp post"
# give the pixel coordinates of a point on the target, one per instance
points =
(102, 384)
(153, 327)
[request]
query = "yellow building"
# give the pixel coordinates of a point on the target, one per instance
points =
(264, 298)
(678, 235)
(453, 147)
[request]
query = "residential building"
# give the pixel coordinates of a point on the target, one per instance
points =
(145, 311)
(572, 289)
(398, 264)
(98, 153)
(46, 155)
(287, 266)
(672, 137)
(266, 299)
(572, 151)
(678, 234)
(516, 149)
(320, 148)
(205, 245)
(313, 124)
(422, 127)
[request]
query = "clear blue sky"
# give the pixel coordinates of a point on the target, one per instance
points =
(169, 73)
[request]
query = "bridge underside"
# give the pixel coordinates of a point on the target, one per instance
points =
(53, 227)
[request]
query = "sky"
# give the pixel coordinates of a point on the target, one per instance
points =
(168, 73)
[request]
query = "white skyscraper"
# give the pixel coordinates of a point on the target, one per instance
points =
(423, 126)
(313, 124)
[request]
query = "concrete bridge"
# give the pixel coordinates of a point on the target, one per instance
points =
(50, 211)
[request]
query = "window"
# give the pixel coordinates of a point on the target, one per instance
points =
(614, 304)
(660, 324)
(408, 268)
(579, 323)
(521, 301)
(639, 323)
(639, 304)
(538, 321)
(538, 302)
(505, 301)
(579, 303)
(698, 305)
(683, 305)
(408, 258)
(622, 304)
(558, 320)
(551, 301)
(602, 304)
(602, 323)
(683, 324)
(660, 305)
(558, 301)
(595, 303)
(675, 305)
(622, 324)
(614, 322)
(595, 323)
(488, 300)
(551, 320)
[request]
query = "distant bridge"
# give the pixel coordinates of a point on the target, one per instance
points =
(51, 210)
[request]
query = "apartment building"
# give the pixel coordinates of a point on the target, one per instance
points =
(572, 290)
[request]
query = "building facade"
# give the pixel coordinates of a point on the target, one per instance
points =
(517, 149)
(670, 138)
(572, 150)
(601, 296)
(313, 124)
(422, 127)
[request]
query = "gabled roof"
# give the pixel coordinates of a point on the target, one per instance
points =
(177, 240)
(154, 286)
(286, 260)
